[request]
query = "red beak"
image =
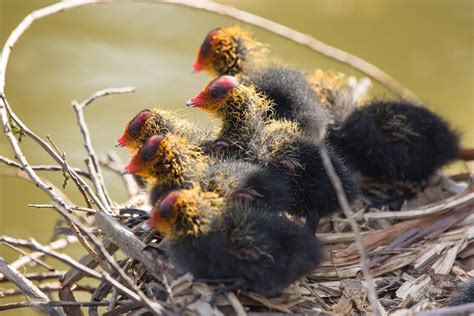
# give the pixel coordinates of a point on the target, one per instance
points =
(197, 67)
(196, 101)
(121, 142)
(132, 167)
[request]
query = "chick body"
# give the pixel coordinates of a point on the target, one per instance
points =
(395, 141)
(263, 251)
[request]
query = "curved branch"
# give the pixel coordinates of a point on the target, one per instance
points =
(306, 40)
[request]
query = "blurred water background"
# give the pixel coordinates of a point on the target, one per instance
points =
(427, 45)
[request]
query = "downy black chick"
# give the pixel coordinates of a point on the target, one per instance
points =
(240, 244)
(395, 141)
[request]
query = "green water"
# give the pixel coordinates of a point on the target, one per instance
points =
(426, 45)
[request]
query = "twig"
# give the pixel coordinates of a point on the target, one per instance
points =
(113, 162)
(130, 245)
(12, 163)
(464, 309)
(27, 287)
(37, 260)
(96, 173)
(21, 174)
(346, 208)
(40, 276)
(48, 288)
(34, 245)
(74, 275)
(441, 206)
(88, 211)
(105, 92)
(303, 39)
(55, 245)
(50, 304)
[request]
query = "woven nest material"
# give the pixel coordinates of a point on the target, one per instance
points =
(419, 255)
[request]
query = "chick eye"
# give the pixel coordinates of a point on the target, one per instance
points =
(165, 211)
(135, 129)
(215, 94)
(147, 154)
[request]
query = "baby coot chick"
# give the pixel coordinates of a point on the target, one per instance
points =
(232, 51)
(236, 243)
(282, 146)
(170, 162)
(151, 122)
(394, 140)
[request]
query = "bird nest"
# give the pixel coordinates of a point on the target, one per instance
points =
(418, 251)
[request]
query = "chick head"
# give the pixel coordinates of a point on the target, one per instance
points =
(214, 97)
(142, 164)
(185, 213)
(134, 134)
(224, 51)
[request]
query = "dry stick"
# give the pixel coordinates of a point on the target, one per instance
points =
(39, 276)
(5, 111)
(12, 163)
(306, 40)
(37, 260)
(50, 304)
(346, 208)
(88, 211)
(55, 245)
(96, 172)
(61, 206)
(64, 208)
(128, 244)
(464, 309)
(35, 246)
(27, 287)
(50, 287)
(113, 163)
(73, 275)
(80, 237)
(279, 29)
(131, 245)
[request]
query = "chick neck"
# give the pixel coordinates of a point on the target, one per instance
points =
(283, 139)
(197, 213)
(243, 116)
